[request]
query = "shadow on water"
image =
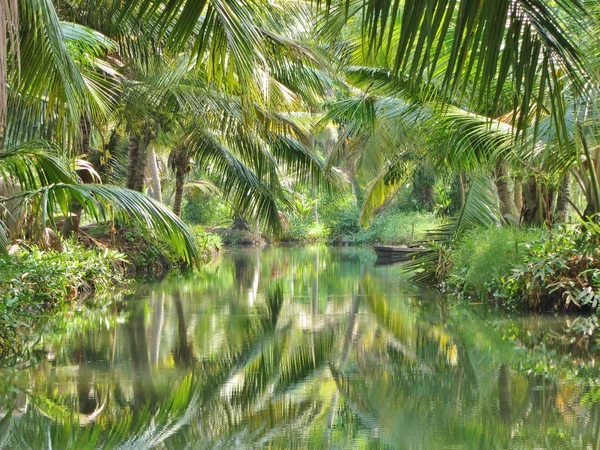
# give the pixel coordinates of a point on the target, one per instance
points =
(307, 348)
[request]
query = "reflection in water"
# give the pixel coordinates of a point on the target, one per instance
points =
(306, 348)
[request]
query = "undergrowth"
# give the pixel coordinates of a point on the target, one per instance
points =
(529, 269)
(35, 284)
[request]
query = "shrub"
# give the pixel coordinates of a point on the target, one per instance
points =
(484, 255)
(206, 243)
(207, 210)
(396, 228)
(562, 270)
(305, 230)
(35, 282)
(532, 269)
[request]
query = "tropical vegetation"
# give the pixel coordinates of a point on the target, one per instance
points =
(304, 348)
(138, 137)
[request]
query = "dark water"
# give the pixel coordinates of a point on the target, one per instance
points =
(305, 348)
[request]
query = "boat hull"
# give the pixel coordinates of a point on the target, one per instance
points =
(387, 254)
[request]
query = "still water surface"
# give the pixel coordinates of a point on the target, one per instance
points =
(306, 348)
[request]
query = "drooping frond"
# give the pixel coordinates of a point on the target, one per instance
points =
(387, 182)
(54, 76)
(3, 239)
(248, 194)
(303, 163)
(65, 77)
(476, 48)
(481, 209)
(103, 202)
(33, 165)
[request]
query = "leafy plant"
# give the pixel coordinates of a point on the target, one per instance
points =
(35, 284)
(560, 272)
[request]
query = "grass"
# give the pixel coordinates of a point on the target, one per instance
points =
(396, 228)
(485, 255)
(342, 228)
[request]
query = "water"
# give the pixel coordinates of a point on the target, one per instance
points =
(304, 348)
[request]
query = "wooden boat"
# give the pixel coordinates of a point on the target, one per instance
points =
(387, 254)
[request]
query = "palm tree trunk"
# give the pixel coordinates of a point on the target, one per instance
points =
(142, 162)
(354, 192)
(137, 159)
(461, 188)
(593, 206)
(505, 192)
(564, 195)
(315, 209)
(239, 223)
(538, 201)
(132, 159)
(179, 185)
(154, 176)
(518, 193)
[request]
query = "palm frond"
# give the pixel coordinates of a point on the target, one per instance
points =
(104, 202)
(477, 48)
(387, 181)
(3, 239)
(248, 194)
(33, 165)
(55, 76)
(481, 209)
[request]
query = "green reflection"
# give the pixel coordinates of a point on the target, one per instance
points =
(306, 348)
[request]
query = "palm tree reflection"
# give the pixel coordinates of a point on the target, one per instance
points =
(199, 365)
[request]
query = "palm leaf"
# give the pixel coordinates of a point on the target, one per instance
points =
(241, 186)
(477, 48)
(33, 165)
(481, 209)
(3, 239)
(103, 202)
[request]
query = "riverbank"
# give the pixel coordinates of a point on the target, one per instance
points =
(525, 269)
(396, 228)
(36, 285)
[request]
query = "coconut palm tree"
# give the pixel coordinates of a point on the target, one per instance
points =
(48, 100)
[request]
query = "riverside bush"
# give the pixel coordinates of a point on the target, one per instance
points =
(343, 228)
(396, 228)
(35, 283)
(530, 268)
(484, 255)
(559, 271)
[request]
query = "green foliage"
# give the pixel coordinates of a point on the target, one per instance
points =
(560, 271)
(206, 210)
(207, 243)
(396, 228)
(530, 268)
(485, 254)
(149, 256)
(339, 224)
(306, 230)
(35, 283)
